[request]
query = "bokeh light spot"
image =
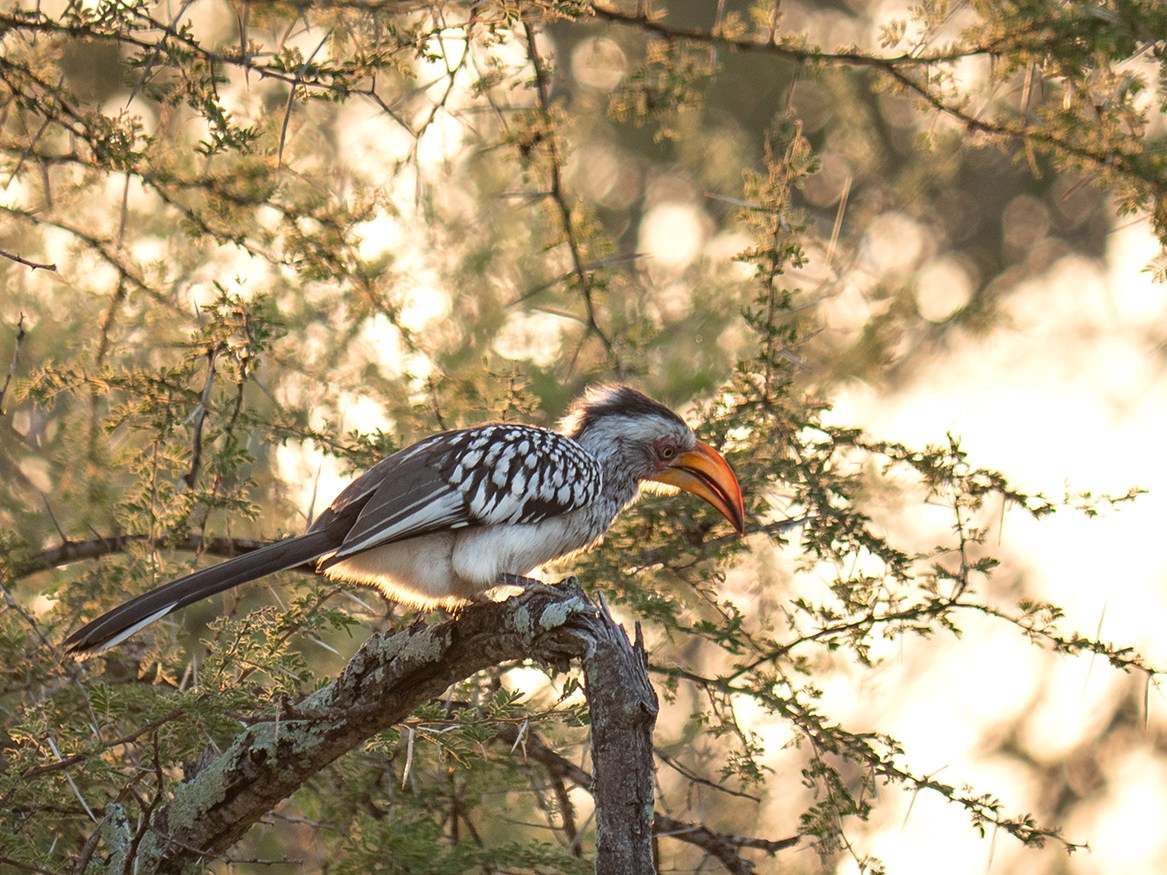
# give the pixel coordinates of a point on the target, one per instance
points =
(943, 287)
(1025, 222)
(674, 233)
(598, 63)
(894, 243)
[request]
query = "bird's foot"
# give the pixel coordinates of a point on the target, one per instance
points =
(526, 584)
(529, 586)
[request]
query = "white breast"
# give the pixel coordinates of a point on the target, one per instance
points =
(449, 569)
(481, 555)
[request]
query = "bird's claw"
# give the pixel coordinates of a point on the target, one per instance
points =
(528, 585)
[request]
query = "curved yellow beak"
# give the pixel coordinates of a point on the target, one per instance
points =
(706, 474)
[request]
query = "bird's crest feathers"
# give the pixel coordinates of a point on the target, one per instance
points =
(611, 399)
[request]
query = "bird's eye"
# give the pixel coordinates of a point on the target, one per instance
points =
(667, 452)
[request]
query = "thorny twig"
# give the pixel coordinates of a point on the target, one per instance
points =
(35, 265)
(20, 335)
(583, 277)
(199, 416)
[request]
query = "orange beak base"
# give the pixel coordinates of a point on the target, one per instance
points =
(703, 472)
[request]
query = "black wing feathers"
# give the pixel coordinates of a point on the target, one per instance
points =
(490, 475)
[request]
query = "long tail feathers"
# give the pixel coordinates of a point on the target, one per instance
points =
(111, 629)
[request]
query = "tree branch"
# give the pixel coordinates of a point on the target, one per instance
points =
(95, 548)
(583, 277)
(393, 674)
(35, 265)
(1130, 163)
(724, 847)
(623, 709)
(20, 335)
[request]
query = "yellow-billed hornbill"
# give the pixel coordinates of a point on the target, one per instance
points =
(441, 522)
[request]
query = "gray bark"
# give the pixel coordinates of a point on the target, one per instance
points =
(623, 708)
(394, 673)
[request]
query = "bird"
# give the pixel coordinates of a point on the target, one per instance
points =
(442, 522)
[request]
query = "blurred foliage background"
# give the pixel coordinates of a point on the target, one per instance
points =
(251, 247)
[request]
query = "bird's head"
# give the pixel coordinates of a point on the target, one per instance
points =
(653, 447)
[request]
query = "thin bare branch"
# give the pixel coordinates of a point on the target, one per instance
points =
(558, 194)
(35, 265)
(292, 96)
(199, 416)
(76, 551)
(20, 335)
